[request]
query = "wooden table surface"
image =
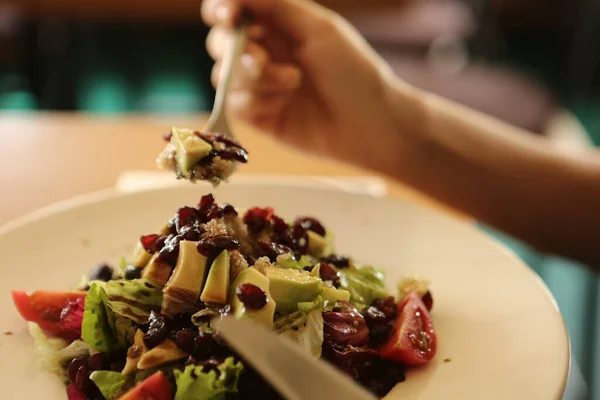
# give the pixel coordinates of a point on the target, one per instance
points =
(47, 157)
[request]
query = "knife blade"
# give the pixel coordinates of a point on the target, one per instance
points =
(295, 374)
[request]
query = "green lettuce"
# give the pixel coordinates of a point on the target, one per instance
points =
(304, 329)
(111, 384)
(195, 384)
(365, 284)
(291, 263)
(95, 328)
(133, 299)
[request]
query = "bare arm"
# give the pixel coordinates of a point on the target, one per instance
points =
(508, 178)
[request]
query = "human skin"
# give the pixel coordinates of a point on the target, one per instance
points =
(308, 79)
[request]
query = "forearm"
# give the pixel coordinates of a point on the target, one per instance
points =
(512, 180)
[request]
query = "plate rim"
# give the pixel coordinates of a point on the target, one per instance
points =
(113, 193)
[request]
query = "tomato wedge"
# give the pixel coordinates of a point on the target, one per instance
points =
(44, 308)
(155, 387)
(413, 340)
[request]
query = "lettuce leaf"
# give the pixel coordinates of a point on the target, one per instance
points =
(365, 284)
(305, 330)
(288, 262)
(195, 384)
(95, 328)
(133, 299)
(111, 384)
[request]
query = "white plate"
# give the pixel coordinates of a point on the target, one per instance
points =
(496, 321)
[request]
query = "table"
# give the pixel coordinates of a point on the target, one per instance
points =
(47, 157)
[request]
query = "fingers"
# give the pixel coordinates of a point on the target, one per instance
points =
(298, 18)
(257, 108)
(218, 37)
(269, 77)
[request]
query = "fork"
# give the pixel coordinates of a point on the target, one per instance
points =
(218, 118)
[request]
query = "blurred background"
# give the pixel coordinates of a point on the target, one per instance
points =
(533, 63)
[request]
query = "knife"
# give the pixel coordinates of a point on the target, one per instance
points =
(294, 373)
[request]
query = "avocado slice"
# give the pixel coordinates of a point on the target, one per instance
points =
(183, 288)
(263, 316)
(157, 271)
(217, 282)
(320, 246)
(164, 353)
(290, 287)
(140, 256)
(189, 149)
(333, 294)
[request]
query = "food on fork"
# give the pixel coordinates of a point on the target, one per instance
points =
(194, 155)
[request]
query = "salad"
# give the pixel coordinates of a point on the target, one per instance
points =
(194, 155)
(145, 330)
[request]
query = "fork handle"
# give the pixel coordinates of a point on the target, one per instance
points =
(231, 59)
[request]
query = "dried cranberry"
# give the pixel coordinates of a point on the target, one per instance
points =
(74, 367)
(310, 224)
(338, 261)
(213, 246)
(208, 209)
(191, 233)
(258, 219)
(380, 317)
(204, 346)
(98, 362)
(167, 136)
(149, 243)
(428, 300)
(211, 364)
(328, 273)
(229, 211)
(273, 250)
(253, 297)
(170, 251)
(184, 339)
(226, 140)
(102, 272)
(279, 225)
(158, 330)
(229, 153)
(186, 216)
(301, 238)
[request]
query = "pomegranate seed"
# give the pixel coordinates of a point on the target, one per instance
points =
(82, 379)
(167, 136)
(253, 297)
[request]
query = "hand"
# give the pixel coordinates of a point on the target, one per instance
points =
(309, 79)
